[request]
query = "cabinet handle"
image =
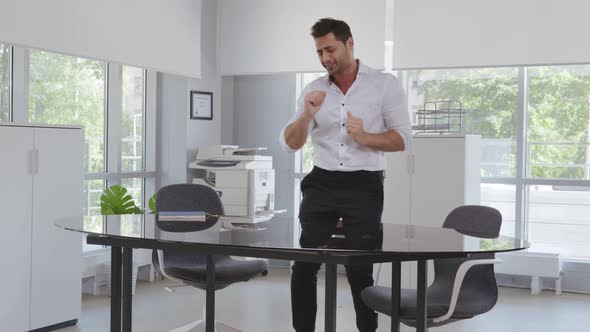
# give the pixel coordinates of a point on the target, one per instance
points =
(36, 163)
(30, 161)
(411, 163)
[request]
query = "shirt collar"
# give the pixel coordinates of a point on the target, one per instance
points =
(363, 69)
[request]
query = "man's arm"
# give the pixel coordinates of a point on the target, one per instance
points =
(296, 132)
(398, 136)
(389, 141)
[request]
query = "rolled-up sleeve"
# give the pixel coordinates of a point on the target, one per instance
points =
(395, 110)
(294, 117)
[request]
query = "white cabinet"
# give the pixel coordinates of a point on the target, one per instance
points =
(15, 205)
(422, 186)
(41, 178)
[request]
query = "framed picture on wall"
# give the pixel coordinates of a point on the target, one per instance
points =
(201, 105)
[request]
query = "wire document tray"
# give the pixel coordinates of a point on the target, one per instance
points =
(442, 116)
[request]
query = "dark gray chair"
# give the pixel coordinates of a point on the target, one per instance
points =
(189, 267)
(462, 287)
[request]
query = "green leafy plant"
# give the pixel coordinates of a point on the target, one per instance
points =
(116, 200)
(152, 203)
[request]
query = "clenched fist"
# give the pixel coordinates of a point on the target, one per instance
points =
(354, 126)
(313, 102)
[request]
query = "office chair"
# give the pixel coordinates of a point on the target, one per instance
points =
(189, 267)
(462, 287)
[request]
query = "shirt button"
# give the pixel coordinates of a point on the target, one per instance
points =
(340, 164)
(342, 104)
(343, 125)
(341, 144)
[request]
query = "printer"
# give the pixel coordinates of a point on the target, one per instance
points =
(244, 180)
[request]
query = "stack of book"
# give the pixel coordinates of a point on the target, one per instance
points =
(182, 216)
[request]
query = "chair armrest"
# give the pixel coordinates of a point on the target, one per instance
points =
(461, 272)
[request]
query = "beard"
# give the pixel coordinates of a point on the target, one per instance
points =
(332, 69)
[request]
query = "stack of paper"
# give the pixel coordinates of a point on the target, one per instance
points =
(182, 216)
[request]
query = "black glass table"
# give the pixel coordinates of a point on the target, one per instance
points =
(400, 243)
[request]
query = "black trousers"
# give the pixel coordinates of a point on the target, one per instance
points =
(356, 198)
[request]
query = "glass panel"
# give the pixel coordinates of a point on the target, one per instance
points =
(307, 152)
(132, 119)
(135, 189)
(92, 191)
(489, 97)
(558, 107)
(559, 220)
(4, 83)
(503, 198)
(70, 91)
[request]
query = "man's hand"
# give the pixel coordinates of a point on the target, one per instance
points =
(313, 103)
(354, 126)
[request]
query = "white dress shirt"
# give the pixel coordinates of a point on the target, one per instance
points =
(375, 97)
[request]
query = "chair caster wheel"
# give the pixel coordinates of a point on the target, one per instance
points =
(264, 273)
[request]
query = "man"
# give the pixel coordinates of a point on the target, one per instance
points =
(353, 114)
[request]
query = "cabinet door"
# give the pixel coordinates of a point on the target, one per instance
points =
(396, 209)
(56, 253)
(397, 189)
(16, 147)
(438, 184)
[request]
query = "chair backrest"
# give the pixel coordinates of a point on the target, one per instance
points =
(479, 290)
(475, 220)
(187, 197)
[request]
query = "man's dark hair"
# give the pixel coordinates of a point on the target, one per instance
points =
(324, 26)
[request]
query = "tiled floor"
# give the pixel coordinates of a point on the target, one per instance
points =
(263, 305)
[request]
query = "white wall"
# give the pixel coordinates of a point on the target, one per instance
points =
(154, 34)
(172, 117)
(273, 36)
(179, 137)
(205, 132)
(227, 110)
(263, 104)
(479, 33)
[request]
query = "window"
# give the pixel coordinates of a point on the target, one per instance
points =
(93, 191)
(542, 192)
(306, 155)
(503, 198)
(558, 160)
(5, 93)
(489, 98)
(558, 122)
(132, 130)
(132, 119)
(135, 189)
(559, 220)
(69, 90)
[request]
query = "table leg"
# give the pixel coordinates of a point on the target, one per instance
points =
(396, 286)
(115, 289)
(330, 312)
(421, 301)
(127, 288)
(210, 297)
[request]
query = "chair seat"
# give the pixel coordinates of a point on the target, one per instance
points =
(379, 299)
(227, 271)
